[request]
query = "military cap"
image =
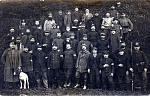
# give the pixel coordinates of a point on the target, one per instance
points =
(18, 38)
(105, 52)
(72, 34)
(136, 44)
(39, 46)
(102, 34)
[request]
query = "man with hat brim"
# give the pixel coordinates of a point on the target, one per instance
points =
(86, 42)
(107, 71)
(54, 64)
(139, 67)
(113, 12)
(94, 66)
(12, 62)
(121, 68)
(103, 43)
(93, 36)
(82, 66)
(69, 59)
(127, 26)
(40, 68)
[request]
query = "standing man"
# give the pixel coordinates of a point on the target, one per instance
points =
(69, 59)
(107, 71)
(53, 64)
(40, 68)
(94, 68)
(82, 66)
(127, 26)
(12, 62)
(49, 23)
(140, 66)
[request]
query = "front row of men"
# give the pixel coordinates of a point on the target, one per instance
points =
(97, 70)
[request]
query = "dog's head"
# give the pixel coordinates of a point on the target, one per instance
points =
(18, 71)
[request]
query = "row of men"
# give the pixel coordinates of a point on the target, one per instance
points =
(105, 70)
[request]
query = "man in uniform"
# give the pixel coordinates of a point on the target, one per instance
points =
(94, 68)
(139, 67)
(69, 59)
(82, 66)
(127, 26)
(107, 71)
(54, 59)
(40, 68)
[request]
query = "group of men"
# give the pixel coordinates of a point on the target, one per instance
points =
(75, 49)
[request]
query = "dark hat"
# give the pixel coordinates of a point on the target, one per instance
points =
(136, 44)
(105, 52)
(72, 34)
(54, 44)
(39, 46)
(120, 50)
(102, 34)
(18, 38)
(83, 44)
(85, 35)
(94, 48)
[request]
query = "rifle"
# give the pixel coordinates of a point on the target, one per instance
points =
(132, 74)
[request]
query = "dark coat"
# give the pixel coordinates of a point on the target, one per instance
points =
(27, 65)
(121, 71)
(138, 58)
(26, 39)
(47, 40)
(54, 59)
(38, 34)
(74, 44)
(103, 45)
(80, 33)
(60, 20)
(76, 15)
(54, 32)
(114, 42)
(39, 61)
(97, 22)
(106, 70)
(11, 64)
(69, 59)
(60, 43)
(94, 61)
(82, 64)
(93, 37)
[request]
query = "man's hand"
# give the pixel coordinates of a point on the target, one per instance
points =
(120, 65)
(112, 74)
(48, 68)
(129, 30)
(131, 69)
(14, 73)
(145, 69)
(88, 70)
(100, 71)
(127, 72)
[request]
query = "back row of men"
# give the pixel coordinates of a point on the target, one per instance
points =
(88, 45)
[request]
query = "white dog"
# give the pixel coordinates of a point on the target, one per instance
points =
(23, 77)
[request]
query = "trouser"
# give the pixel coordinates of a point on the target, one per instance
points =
(54, 77)
(78, 76)
(95, 77)
(31, 78)
(121, 82)
(107, 82)
(68, 75)
(140, 79)
(38, 76)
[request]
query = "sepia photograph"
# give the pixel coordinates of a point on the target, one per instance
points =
(74, 47)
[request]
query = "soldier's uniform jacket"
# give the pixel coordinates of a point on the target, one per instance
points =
(103, 45)
(69, 59)
(93, 36)
(47, 40)
(82, 64)
(32, 46)
(125, 24)
(140, 61)
(121, 59)
(88, 45)
(97, 22)
(39, 61)
(106, 71)
(54, 32)
(94, 61)
(54, 58)
(27, 66)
